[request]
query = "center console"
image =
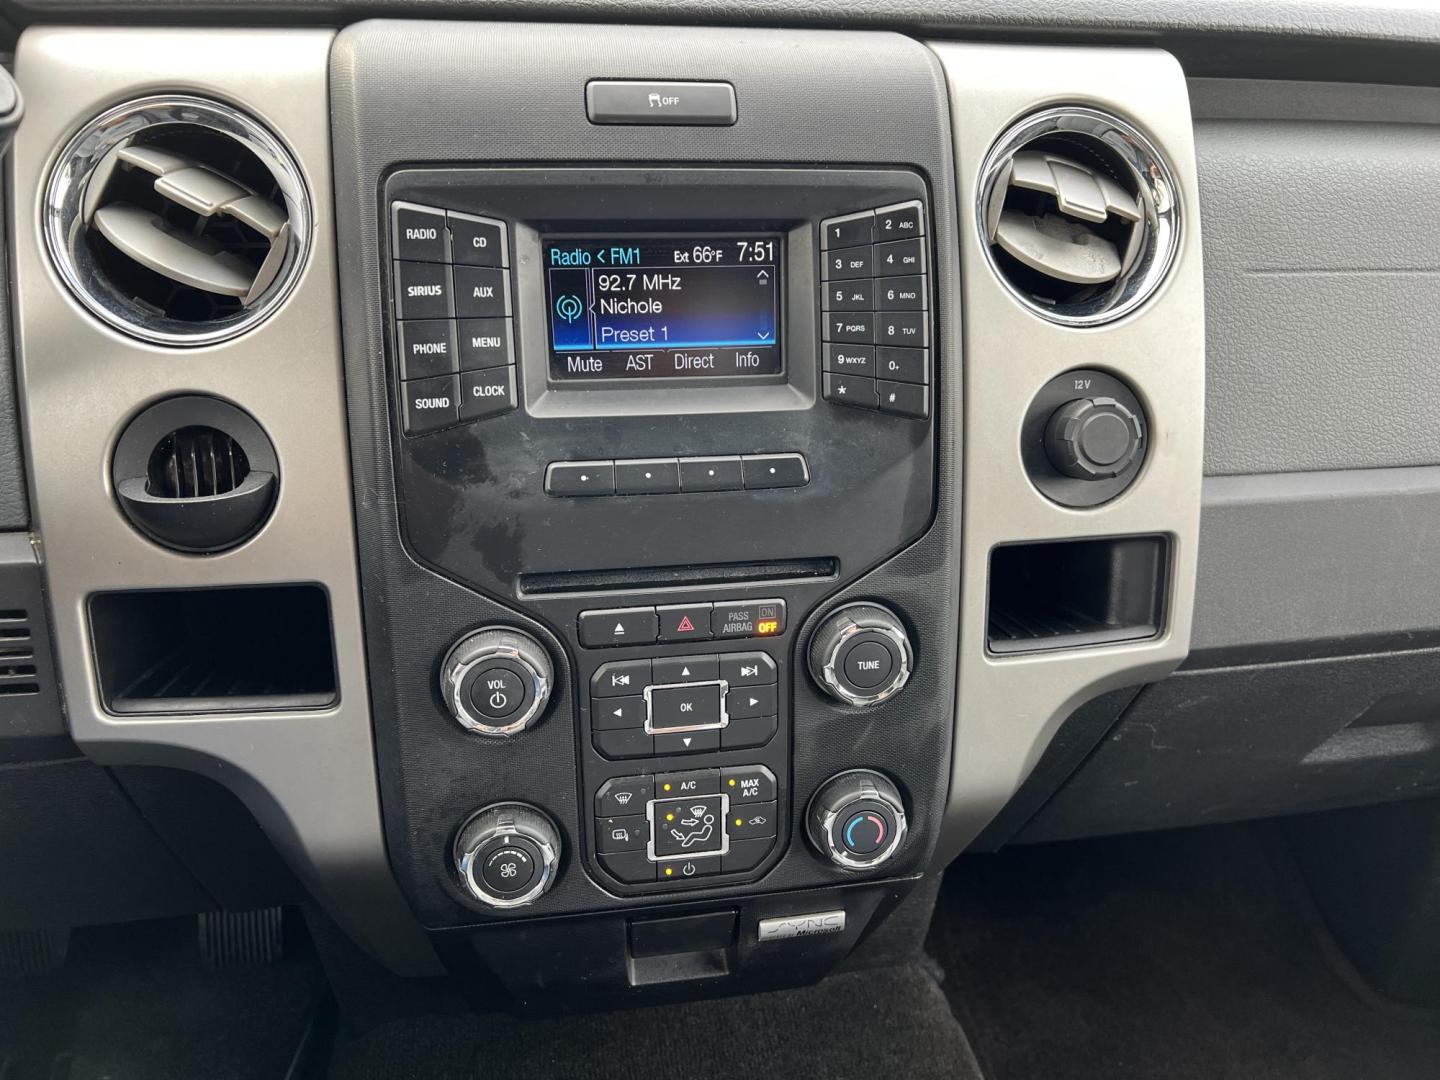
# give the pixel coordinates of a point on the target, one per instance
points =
(654, 487)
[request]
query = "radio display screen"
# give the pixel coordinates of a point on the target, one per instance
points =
(638, 307)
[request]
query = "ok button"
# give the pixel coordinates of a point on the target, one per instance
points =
(497, 692)
(693, 705)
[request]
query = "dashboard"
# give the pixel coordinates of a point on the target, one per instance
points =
(625, 507)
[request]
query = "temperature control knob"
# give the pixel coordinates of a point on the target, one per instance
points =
(1093, 438)
(861, 654)
(857, 820)
(507, 855)
(496, 681)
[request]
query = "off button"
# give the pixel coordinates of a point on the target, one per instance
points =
(497, 693)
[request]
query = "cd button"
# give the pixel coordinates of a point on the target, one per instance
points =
(477, 241)
(852, 390)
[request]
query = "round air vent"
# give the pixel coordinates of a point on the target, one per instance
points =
(1078, 214)
(178, 220)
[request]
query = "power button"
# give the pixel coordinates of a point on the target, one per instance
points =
(497, 692)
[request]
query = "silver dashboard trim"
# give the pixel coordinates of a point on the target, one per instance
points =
(308, 776)
(1008, 708)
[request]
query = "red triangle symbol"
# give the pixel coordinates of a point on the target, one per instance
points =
(685, 624)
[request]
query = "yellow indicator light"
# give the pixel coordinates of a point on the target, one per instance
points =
(667, 787)
(668, 871)
(738, 823)
(669, 817)
(732, 783)
(766, 626)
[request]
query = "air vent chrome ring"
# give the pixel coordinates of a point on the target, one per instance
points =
(92, 159)
(1128, 177)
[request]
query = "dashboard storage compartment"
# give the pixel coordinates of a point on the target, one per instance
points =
(1062, 595)
(214, 650)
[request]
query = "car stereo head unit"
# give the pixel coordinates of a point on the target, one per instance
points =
(704, 305)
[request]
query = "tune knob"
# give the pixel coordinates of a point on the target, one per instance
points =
(496, 681)
(1093, 438)
(861, 654)
(857, 820)
(507, 855)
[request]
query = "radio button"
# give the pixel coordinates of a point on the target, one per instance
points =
(420, 233)
(422, 291)
(481, 292)
(710, 474)
(850, 359)
(775, 471)
(850, 390)
(577, 478)
(484, 343)
(747, 668)
(430, 404)
(850, 327)
(427, 348)
(905, 399)
(476, 241)
(621, 626)
(678, 669)
(900, 257)
(617, 713)
(902, 365)
(902, 293)
(848, 231)
(486, 393)
(648, 476)
(857, 295)
(855, 262)
(901, 220)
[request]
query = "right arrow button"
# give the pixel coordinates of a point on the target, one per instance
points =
(745, 701)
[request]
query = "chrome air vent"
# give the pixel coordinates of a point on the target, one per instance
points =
(1078, 211)
(178, 220)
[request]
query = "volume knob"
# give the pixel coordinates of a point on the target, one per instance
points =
(496, 681)
(861, 654)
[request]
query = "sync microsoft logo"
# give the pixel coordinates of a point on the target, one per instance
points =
(793, 926)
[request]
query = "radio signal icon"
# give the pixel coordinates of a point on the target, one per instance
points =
(569, 307)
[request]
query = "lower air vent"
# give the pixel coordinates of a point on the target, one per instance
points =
(196, 474)
(178, 220)
(1078, 214)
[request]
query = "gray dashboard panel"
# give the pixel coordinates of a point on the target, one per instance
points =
(1322, 293)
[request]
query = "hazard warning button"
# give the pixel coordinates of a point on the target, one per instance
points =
(687, 622)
